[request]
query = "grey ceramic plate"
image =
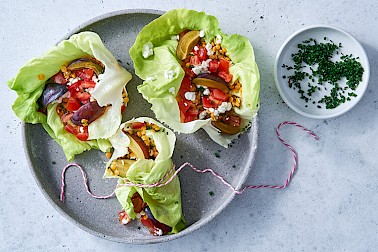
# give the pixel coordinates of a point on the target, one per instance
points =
(203, 196)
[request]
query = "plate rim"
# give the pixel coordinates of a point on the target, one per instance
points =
(254, 130)
(295, 108)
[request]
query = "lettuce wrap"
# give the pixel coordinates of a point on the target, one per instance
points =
(154, 55)
(164, 202)
(30, 81)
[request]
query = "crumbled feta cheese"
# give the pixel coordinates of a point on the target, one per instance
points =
(209, 48)
(172, 90)
(202, 115)
(125, 221)
(225, 106)
(216, 112)
(206, 91)
(196, 48)
(202, 68)
(218, 39)
(72, 81)
(81, 129)
(175, 37)
(158, 232)
(94, 78)
(147, 50)
(202, 33)
(191, 96)
(211, 110)
(151, 78)
(168, 74)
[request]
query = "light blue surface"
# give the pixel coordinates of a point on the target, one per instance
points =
(332, 201)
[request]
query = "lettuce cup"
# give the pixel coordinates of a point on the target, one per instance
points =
(142, 151)
(76, 91)
(195, 76)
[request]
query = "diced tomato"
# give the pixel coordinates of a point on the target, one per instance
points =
(85, 74)
(72, 104)
(202, 54)
(189, 118)
(227, 77)
(193, 112)
(59, 78)
(137, 125)
(213, 66)
(206, 102)
(189, 73)
(216, 102)
(224, 65)
(194, 60)
(83, 97)
(83, 136)
(182, 116)
(184, 105)
(75, 88)
(71, 129)
(123, 108)
(219, 95)
(185, 87)
(88, 84)
(147, 223)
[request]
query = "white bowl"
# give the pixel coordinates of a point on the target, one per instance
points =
(291, 97)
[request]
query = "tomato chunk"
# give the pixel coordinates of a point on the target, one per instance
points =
(227, 77)
(184, 105)
(194, 60)
(224, 65)
(213, 66)
(71, 129)
(219, 95)
(202, 54)
(83, 97)
(85, 74)
(214, 101)
(72, 104)
(137, 125)
(88, 84)
(206, 102)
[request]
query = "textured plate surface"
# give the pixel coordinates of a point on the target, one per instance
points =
(292, 98)
(118, 31)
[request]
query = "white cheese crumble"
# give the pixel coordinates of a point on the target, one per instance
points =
(172, 90)
(147, 50)
(158, 232)
(202, 33)
(72, 81)
(125, 221)
(211, 110)
(81, 129)
(202, 68)
(196, 48)
(191, 96)
(206, 91)
(216, 112)
(202, 115)
(151, 78)
(209, 48)
(225, 106)
(168, 74)
(218, 39)
(94, 78)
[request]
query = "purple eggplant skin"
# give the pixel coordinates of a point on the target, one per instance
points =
(90, 112)
(166, 229)
(51, 92)
(212, 77)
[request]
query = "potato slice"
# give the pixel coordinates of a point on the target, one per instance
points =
(120, 167)
(187, 43)
(138, 147)
(210, 83)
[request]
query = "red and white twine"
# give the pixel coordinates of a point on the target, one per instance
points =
(160, 183)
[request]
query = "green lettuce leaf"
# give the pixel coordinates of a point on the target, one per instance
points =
(157, 89)
(164, 202)
(108, 91)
